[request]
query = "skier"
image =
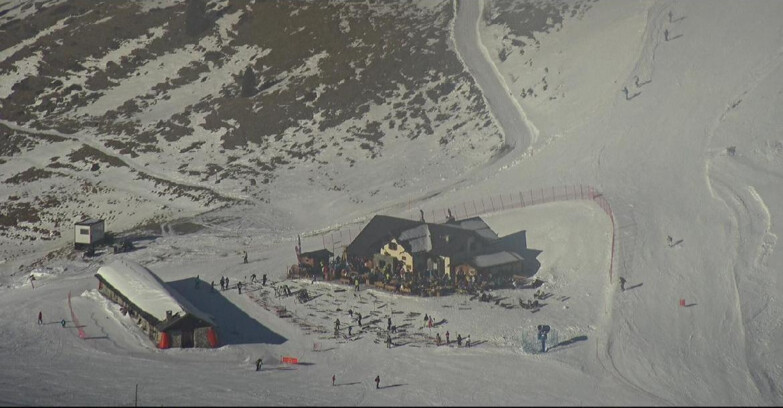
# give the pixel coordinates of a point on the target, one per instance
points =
(239, 287)
(622, 284)
(388, 324)
(263, 280)
(332, 380)
(253, 278)
(459, 340)
(429, 324)
(467, 341)
(356, 284)
(388, 340)
(213, 286)
(437, 339)
(377, 381)
(244, 259)
(447, 337)
(426, 318)
(337, 324)
(222, 283)
(258, 364)
(226, 282)
(349, 330)
(40, 317)
(359, 318)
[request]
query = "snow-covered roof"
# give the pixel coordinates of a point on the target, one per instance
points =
(146, 290)
(498, 258)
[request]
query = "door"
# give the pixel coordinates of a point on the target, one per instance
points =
(187, 339)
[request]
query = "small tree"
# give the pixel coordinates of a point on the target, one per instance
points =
(248, 82)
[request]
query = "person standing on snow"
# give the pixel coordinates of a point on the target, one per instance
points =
(222, 283)
(437, 339)
(244, 259)
(377, 381)
(388, 340)
(622, 284)
(40, 317)
(447, 337)
(213, 286)
(332, 380)
(263, 280)
(359, 318)
(388, 324)
(459, 340)
(258, 364)
(226, 282)
(239, 287)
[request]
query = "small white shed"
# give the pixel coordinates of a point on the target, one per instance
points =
(88, 232)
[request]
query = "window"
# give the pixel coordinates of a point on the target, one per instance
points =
(393, 246)
(84, 231)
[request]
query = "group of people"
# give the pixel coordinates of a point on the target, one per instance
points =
(439, 340)
(224, 282)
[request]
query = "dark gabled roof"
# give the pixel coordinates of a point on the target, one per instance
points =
(438, 239)
(178, 320)
(380, 230)
(321, 253)
(477, 224)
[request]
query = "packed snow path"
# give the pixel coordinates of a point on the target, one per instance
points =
(504, 108)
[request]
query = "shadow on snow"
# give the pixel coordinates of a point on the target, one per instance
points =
(234, 326)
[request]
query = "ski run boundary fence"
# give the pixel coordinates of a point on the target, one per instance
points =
(337, 240)
(74, 319)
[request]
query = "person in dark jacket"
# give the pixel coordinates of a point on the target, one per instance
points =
(40, 317)
(377, 381)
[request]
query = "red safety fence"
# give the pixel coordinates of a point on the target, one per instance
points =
(336, 241)
(74, 319)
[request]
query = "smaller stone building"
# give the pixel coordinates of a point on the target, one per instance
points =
(161, 312)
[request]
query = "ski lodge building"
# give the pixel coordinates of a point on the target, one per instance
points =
(467, 247)
(168, 319)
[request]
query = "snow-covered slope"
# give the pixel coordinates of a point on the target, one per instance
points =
(670, 109)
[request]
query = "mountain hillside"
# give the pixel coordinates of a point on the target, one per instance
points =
(175, 108)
